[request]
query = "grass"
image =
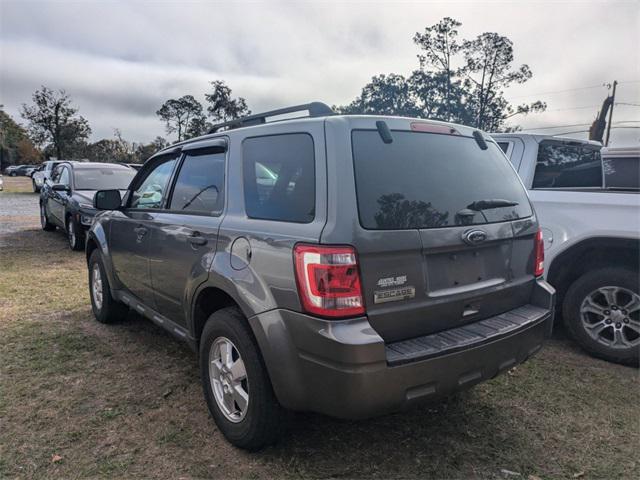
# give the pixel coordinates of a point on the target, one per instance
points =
(79, 399)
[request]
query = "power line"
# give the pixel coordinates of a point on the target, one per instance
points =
(629, 104)
(576, 125)
(586, 131)
(559, 91)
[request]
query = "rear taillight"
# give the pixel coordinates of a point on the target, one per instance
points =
(538, 266)
(328, 280)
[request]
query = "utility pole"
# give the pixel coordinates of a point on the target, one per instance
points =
(613, 99)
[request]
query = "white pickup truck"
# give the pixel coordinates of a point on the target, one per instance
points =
(588, 203)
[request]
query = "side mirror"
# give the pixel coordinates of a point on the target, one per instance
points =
(59, 187)
(107, 200)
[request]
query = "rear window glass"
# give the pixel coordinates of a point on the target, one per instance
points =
(426, 180)
(103, 178)
(563, 165)
(622, 173)
(279, 177)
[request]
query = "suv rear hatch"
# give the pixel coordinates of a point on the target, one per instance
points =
(447, 233)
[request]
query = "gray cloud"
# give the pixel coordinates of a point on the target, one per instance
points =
(121, 60)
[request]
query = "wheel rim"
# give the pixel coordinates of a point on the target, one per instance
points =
(228, 377)
(611, 316)
(43, 216)
(96, 286)
(72, 234)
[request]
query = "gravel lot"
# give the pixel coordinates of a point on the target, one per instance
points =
(79, 399)
(17, 211)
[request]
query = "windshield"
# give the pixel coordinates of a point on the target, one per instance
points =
(103, 178)
(427, 180)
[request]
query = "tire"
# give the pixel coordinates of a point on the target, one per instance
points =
(601, 312)
(12, 174)
(75, 235)
(105, 308)
(35, 187)
(44, 220)
(260, 423)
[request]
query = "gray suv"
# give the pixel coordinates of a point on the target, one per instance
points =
(347, 265)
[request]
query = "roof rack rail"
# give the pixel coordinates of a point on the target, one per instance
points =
(315, 109)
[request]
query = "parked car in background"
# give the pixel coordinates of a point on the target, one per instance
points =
(588, 204)
(22, 171)
(348, 265)
(135, 166)
(9, 171)
(42, 174)
(66, 201)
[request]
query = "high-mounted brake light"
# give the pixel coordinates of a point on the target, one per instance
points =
(328, 280)
(538, 268)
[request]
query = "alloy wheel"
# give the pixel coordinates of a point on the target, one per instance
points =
(611, 316)
(96, 286)
(228, 378)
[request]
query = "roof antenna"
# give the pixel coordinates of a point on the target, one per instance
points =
(480, 140)
(383, 130)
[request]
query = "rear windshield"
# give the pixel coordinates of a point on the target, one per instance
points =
(427, 180)
(103, 178)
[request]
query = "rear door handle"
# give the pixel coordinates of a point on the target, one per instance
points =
(196, 239)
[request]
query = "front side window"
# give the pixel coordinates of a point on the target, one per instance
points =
(428, 180)
(153, 189)
(279, 177)
(56, 174)
(200, 183)
(64, 177)
(567, 165)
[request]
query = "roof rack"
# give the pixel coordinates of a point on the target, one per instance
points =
(315, 109)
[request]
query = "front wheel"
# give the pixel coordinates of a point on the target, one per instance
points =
(601, 311)
(75, 235)
(235, 382)
(44, 219)
(105, 308)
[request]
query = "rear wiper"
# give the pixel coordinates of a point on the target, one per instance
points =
(488, 204)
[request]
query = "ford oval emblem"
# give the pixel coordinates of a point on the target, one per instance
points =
(474, 237)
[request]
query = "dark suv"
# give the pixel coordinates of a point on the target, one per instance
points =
(348, 265)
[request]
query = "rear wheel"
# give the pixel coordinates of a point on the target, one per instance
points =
(44, 220)
(235, 382)
(75, 235)
(601, 311)
(105, 308)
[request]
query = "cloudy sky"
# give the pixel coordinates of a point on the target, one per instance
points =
(120, 60)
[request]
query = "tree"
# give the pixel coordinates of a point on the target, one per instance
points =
(178, 113)
(144, 151)
(487, 72)
(222, 107)
(15, 145)
(440, 44)
(458, 81)
(53, 120)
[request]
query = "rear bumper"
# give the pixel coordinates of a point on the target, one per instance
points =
(345, 369)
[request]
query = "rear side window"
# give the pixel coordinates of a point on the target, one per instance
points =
(279, 177)
(200, 184)
(562, 165)
(504, 146)
(426, 180)
(622, 173)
